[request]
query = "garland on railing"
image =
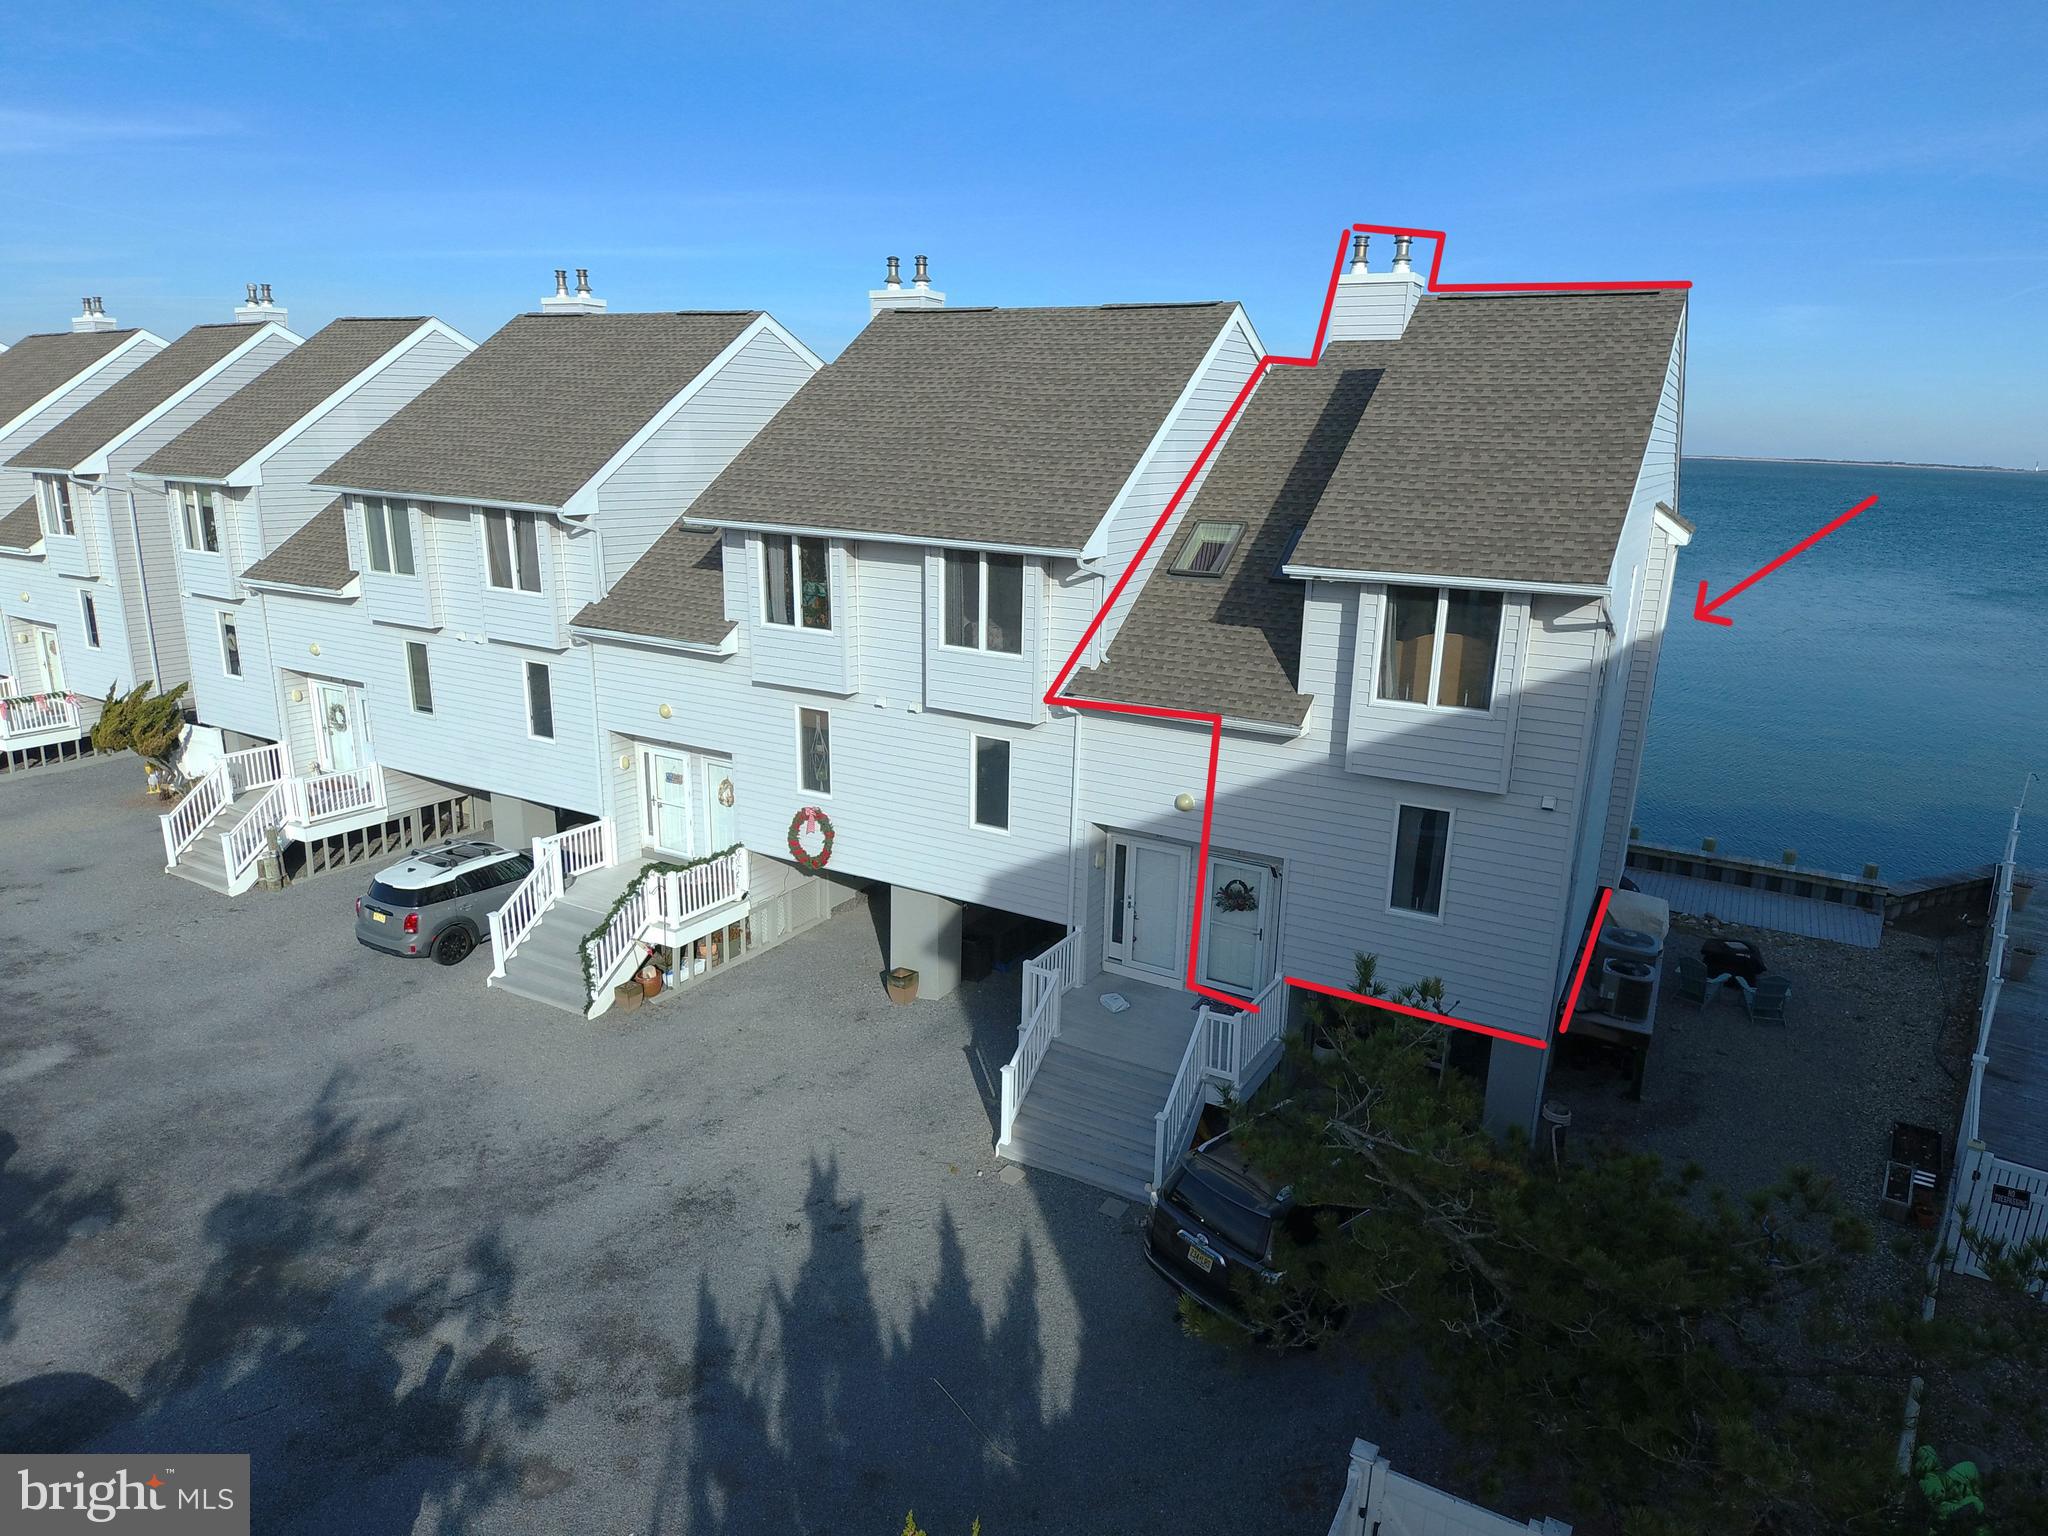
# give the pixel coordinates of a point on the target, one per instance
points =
(652, 867)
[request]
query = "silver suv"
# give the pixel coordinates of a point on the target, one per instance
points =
(439, 902)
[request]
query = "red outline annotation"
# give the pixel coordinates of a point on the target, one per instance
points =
(1214, 721)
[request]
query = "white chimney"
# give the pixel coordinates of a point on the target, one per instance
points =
(563, 302)
(258, 307)
(1375, 306)
(893, 295)
(93, 316)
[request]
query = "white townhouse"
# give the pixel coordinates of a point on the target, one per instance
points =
(99, 579)
(1422, 584)
(418, 625)
(43, 379)
(236, 493)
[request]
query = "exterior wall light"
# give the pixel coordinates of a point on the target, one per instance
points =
(1183, 801)
(666, 711)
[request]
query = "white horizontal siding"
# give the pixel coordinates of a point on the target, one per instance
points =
(1456, 748)
(247, 703)
(984, 683)
(1646, 638)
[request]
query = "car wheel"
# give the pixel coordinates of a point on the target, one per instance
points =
(453, 947)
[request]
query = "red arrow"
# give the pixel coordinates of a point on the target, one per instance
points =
(1704, 610)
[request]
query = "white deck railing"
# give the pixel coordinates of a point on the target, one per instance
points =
(1174, 1126)
(555, 859)
(690, 893)
(1045, 979)
(666, 902)
(624, 932)
(257, 768)
(187, 819)
(319, 796)
(243, 843)
(33, 714)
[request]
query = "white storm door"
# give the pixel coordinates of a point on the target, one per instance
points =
(1239, 926)
(334, 716)
(668, 802)
(1148, 917)
(53, 662)
(720, 798)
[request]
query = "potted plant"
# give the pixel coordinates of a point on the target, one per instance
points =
(650, 979)
(902, 985)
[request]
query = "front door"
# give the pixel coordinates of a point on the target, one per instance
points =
(1148, 918)
(719, 795)
(668, 802)
(1240, 926)
(52, 660)
(334, 717)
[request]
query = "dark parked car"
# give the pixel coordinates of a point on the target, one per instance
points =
(440, 902)
(1213, 1230)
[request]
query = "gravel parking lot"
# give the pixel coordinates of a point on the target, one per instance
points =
(441, 1259)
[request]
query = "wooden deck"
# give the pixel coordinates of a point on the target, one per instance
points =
(2013, 1118)
(1770, 910)
(1152, 1033)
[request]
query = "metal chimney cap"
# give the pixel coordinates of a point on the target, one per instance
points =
(923, 274)
(1358, 245)
(1401, 245)
(250, 290)
(266, 293)
(562, 282)
(583, 282)
(895, 277)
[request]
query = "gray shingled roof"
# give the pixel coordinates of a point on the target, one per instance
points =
(1231, 643)
(37, 365)
(261, 411)
(21, 528)
(995, 426)
(316, 556)
(676, 591)
(130, 398)
(1502, 442)
(532, 414)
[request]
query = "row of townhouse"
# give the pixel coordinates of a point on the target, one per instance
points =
(724, 631)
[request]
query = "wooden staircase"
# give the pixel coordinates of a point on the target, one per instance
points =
(1090, 1117)
(205, 862)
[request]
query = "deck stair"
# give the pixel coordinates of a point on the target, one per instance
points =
(1090, 1117)
(548, 965)
(205, 861)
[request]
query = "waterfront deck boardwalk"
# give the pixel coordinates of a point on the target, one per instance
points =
(1770, 910)
(2013, 1118)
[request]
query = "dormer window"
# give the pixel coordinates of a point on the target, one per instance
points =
(1438, 647)
(57, 507)
(1208, 549)
(201, 519)
(984, 602)
(387, 529)
(512, 550)
(796, 582)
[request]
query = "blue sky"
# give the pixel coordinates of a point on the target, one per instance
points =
(1859, 193)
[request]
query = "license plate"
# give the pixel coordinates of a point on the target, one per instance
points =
(377, 917)
(1203, 1261)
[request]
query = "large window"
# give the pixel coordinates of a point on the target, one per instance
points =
(984, 602)
(91, 615)
(422, 681)
(540, 700)
(57, 507)
(796, 583)
(1422, 842)
(512, 551)
(814, 750)
(230, 646)
(1438, 647)
(201, 518)
(387, 526)
(992, 783)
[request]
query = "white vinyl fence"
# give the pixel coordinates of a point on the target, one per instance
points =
(1378, 1501)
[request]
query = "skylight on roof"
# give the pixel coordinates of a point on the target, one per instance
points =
(1208, 549)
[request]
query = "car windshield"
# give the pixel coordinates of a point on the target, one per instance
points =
(392, 896)
(1219, 1205)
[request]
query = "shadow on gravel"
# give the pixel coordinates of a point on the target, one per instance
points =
(812, 1414)
(39, 1214)
(369, 1402)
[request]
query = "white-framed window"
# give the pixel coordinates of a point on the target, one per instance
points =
(57, 516)
(983, 602)
(201, 517)
(540, 701)
(230, 646)
(1207, 549)
(387, 528)
(796, 581)
(512, 550)
(1422, 850)
(991, 787)
(1438, 647)
(90, 615)
(814, 751)
(418, 676)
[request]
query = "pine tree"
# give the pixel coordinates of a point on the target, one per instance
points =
(149, 724)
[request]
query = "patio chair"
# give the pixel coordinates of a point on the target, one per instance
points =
(1694, 984)
(1766, 999)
